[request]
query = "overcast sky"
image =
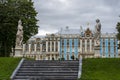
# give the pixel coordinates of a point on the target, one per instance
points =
(56, 14)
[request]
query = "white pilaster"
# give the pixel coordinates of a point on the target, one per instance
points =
(58, 46)
(118, 49)
(85, 45)
(24, 47)
(29, 48)
(81, 45)
(35, 47)
(41, 48)
(50, 46)
(50, 57)
(103, 48)
(54, 46)
(54, 57)
(90, 45)
(46, 46)
(46, 57)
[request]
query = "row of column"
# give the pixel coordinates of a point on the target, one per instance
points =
(35, 46)
(52, 56)
(38, 56)
(42, 56)
(108, 47)
(85, 48)
(55, 46)
(63, 47)
(30, 48)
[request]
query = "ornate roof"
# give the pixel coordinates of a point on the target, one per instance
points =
(69, 31)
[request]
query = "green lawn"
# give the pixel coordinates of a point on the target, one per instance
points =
(101, 69)
(7, 66)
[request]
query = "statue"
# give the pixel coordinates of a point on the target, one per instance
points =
(19, 35)
(97, 32)
(81, 31)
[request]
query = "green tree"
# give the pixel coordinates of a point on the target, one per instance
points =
(118, 29)
(118, 34)
(27, 14)
(7, 28)
(10, 12)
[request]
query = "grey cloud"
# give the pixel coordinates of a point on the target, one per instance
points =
(54, 14)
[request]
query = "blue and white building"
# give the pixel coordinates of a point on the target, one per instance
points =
(71, 42)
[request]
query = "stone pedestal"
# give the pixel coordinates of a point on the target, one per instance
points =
(97, 51)
(18, 52)
(119, 53)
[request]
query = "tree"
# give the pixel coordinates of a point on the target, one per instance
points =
(7, 28)
(10, 12)
(118, 34)
(118, 29)
(27, 14)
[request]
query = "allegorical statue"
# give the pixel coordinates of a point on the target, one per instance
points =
(19, 35)
(97, 32)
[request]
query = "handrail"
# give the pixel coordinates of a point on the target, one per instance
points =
(80, 68)
(15, 71)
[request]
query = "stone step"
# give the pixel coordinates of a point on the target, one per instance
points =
(43, 62)
(48, 69)
(47, 74)
(48, 66)
(46, 77)
(66, 61)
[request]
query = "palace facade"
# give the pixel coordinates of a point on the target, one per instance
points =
(67, 43)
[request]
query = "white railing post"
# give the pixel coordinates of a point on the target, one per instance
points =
(80, 68)
(15, 71)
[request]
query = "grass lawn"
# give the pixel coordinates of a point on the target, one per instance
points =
(7, 66)
(101, 69)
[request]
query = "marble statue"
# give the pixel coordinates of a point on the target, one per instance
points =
(81, 29)
(97, 32)
(19, 35)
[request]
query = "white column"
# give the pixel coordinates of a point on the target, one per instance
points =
(29, 48)
(24, 48)
(118, 49)
(54, 46)
(94, 42)
(80, 45)
(46, 58)
(90, 45)
(50, 57)
(46, 46)
(85, 45)
(35, 47)
(58, 46)
(50, 46)
(103, 48)
(54, 57)
(41, 48)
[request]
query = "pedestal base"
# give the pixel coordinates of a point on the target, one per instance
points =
(18, 52)
(97, 51)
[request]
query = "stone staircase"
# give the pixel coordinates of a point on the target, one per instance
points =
(47, 70)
